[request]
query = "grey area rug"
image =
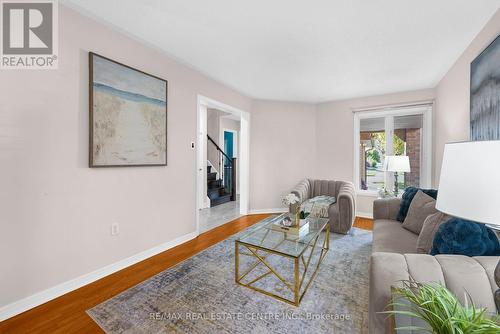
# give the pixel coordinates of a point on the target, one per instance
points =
(199, 295)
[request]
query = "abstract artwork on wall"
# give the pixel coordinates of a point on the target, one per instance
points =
(485, 94)
(128, 115)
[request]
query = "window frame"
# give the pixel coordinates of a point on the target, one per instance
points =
(424, 109)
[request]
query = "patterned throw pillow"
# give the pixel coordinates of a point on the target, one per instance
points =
(408, 197)
(460, 236)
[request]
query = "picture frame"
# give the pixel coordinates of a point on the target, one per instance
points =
(128, 111)
(485, 94)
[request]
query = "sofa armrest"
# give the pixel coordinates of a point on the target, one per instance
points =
(346, 201)
(386, 208)
(302, 190)
(386, 270)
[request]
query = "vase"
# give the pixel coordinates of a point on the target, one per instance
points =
(294, 213)
(294, 208)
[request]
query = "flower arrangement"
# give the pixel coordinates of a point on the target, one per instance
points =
(290, 199)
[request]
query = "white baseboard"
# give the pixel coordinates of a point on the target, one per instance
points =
(39, 298)
(273, 210)
(364, 215)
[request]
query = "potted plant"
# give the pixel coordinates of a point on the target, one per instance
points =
(440, 310)
(384, 193)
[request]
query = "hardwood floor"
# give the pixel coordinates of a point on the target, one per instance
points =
(66, 314)
(364, 223)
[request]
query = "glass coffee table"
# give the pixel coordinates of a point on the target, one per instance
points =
(278, 263)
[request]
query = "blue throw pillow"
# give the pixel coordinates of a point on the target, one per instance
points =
(464, 237)
(408, 197)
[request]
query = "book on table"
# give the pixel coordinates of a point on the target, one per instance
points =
(299, 230)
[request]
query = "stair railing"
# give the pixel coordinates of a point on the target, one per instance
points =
(227, 167)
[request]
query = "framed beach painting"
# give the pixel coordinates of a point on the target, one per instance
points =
(485, 94)
(128, 115)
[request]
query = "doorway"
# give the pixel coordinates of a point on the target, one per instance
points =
(228, 144)
(221, 164)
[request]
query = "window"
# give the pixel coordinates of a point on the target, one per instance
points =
(372, 153)
(392, 131)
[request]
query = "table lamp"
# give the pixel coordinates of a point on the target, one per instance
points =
(469, 185)
(397, 164)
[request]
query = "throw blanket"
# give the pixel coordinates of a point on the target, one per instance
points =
(317, 207)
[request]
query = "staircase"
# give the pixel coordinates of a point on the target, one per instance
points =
(215, 189)
(221, 190)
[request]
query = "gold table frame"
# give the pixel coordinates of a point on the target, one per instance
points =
(299, 278)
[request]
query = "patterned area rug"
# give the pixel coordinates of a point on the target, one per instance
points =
(199, 295)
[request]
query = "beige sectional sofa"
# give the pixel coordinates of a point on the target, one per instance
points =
(394, 259)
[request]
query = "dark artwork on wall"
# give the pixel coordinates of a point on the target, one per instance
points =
(128, 115)
(485, 94)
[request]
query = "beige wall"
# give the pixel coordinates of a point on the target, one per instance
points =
(453, 92)
(282, 150)
(56, 212)
(230, 124)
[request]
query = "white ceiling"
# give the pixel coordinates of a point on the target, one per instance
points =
(305, 50)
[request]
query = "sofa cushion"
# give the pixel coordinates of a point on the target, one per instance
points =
(460, 236)
(489, 263)
(465, 275)
(408, 197)
(386, 208)
(389, 236)
(424, 268)
(421, 206)
(431, 226)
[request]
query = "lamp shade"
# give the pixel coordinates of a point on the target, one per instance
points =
(469, 185)
(397, 163)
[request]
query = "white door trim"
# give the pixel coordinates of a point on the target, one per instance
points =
(201, 148)
(201, 156)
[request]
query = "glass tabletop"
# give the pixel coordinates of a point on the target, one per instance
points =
(264, 236)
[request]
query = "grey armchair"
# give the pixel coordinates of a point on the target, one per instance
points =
(342, 212)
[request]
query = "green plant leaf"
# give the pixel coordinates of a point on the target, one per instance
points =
(441, 310)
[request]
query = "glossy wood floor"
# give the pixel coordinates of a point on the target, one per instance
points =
(66, 314)
(364, 223)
